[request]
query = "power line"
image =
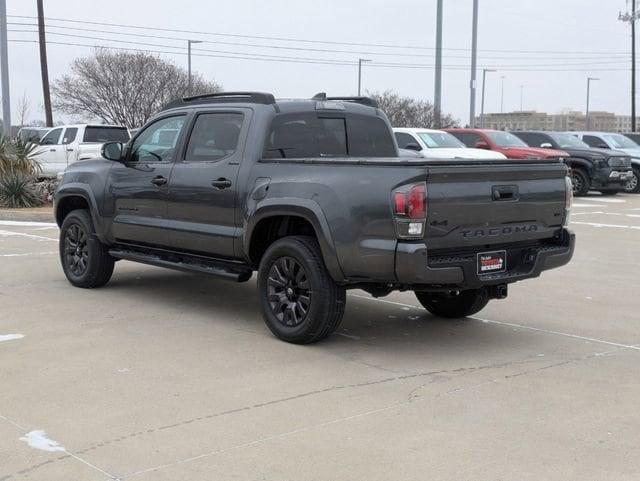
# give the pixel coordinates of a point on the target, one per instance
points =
(312, 41)
(313, 59)
(306, 49)
(321, 62)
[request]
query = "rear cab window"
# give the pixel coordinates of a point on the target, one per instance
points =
(312, 135)
(98, 134)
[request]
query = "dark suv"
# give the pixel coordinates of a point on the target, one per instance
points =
(591, 169)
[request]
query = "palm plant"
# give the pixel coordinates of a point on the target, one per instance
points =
(17, 155)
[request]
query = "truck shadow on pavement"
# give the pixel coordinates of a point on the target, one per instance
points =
(367, 324)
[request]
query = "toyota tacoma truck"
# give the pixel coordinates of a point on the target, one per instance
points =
(605, 170)
(313, 196)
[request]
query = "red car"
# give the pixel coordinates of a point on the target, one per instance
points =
(505, 143)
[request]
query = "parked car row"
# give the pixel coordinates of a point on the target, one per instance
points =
(602, 161)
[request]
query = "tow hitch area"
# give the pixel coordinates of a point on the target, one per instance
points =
(497, 292)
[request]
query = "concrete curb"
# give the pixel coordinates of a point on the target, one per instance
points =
(43, 214)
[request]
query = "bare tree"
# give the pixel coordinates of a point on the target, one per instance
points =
(122, 87)
(409, 112)
(24, 107)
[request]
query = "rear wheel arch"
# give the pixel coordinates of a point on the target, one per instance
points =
(271, 223)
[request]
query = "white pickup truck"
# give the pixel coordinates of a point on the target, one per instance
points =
(66, 144)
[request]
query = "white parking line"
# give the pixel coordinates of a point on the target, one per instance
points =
(10, 337)
(8, 233)
(20, 223)
(26, 254)
(588, 205)
(614, 226)
(510, 324)
(599, 212)
(609, 201)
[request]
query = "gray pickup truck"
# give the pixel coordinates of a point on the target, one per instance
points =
(313, 195)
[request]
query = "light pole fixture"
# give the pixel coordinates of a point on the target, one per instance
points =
(502, 77)
(189, 43)
(484, 80)
(360, 62)
(587, 118)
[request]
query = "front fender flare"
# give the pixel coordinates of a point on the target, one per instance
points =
(76, 189)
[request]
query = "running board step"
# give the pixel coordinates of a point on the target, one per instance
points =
(219, 269)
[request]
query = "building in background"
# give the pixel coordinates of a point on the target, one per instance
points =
(569, 120)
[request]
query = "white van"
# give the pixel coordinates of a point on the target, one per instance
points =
(64, 145)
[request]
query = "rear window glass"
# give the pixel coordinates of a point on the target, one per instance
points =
(105, 134)
(296, 136)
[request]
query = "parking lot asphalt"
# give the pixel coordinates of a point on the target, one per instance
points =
(169, 376)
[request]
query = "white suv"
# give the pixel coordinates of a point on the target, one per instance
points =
(437, 144)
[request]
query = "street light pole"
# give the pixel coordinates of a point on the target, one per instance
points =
(502, 94)
(437, 95)
(360, 62)
(587, 118)
(4, 66)
(484, 80)
(521, 95)
(189, 43)
(474, 63)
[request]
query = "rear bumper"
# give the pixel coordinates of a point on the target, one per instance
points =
(415, 267)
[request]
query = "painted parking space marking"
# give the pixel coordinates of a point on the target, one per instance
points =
(612, 226)
(10, 337)
(27, 254)
(9, 233)
(20, 223)
(588, 205)
(511, 324)
(608, 201)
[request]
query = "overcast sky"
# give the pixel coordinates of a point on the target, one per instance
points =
(583, 35)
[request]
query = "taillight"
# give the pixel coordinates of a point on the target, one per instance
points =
(410, 209)
(568, 200)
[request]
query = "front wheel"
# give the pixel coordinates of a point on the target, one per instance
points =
(85, 260)
(580, 182)
(454, 305)
(633, 185)
(300, 301)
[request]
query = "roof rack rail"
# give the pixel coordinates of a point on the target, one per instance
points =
(358, 100)
(247, 97)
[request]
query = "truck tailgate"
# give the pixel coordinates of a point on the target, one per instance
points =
(483, 204)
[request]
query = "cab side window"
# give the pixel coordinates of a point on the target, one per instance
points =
(594, 141)
(157, 142)
(470, 139)
(214, 136)
(535, 140)
(405, 139)
(52, 138)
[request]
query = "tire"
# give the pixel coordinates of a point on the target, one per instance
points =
(85, 260)
(580, 182)
(609, 193)
(465, 303)
(633, 185)
(300, 301)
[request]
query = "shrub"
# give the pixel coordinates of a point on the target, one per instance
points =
(17, 155)
(18, 190)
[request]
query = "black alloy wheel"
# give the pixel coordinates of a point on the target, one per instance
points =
(289, 291)
(76, 250)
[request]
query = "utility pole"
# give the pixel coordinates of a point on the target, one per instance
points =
(44, 69)
(587, 118)
(189, 43)
(4, 65)
(502, 94)
(484, 81)
(360, 62)
(631, 18)
(521, 95)
(437, 94)
(474, 63)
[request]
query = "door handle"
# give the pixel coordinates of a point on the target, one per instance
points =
(52, 150)
(69, 150)
(159, 180)
(221, 183)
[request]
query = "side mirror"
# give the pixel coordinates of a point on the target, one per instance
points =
(112, 151)
(415, 147)
(481, 144)
(546, 145)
